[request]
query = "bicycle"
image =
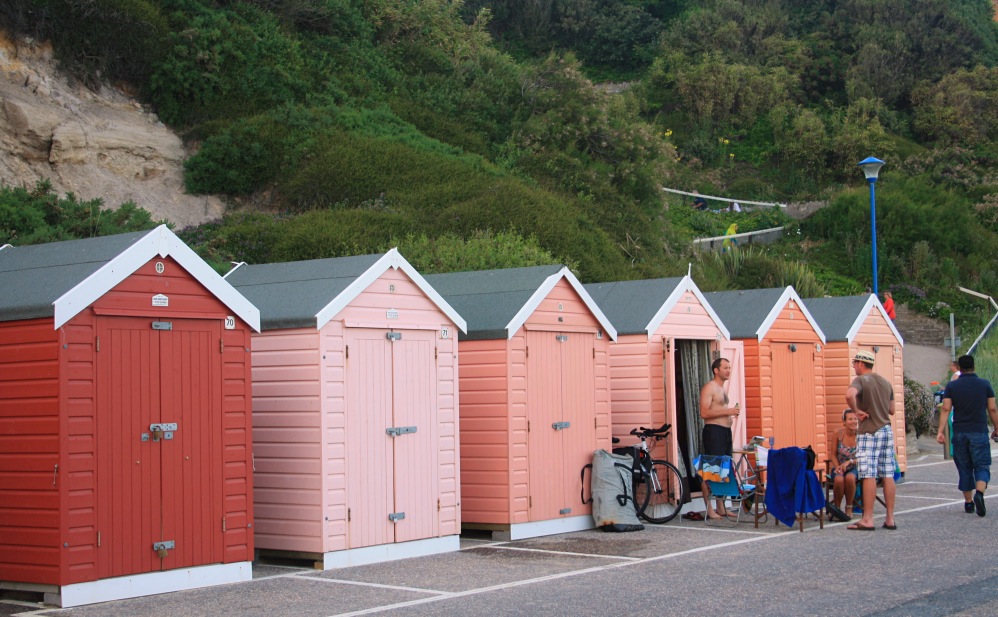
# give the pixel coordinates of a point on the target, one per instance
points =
(659, 491)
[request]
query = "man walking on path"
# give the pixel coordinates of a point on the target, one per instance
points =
(717, 417)
(971, 400)
(872, 398)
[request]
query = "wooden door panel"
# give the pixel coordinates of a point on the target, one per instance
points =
(579, 409)
(416, 454)
(369, 464)
(128, 469)
(545, 460)
(191, 362)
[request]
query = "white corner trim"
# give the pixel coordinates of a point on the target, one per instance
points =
(163, 242)
(871, 303)
(542, 292)
(789, 294)
(390, 552)
(685, 285)
(138, 585)
(391, 259)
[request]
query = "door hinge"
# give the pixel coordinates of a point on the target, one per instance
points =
(98, 343)
(594, 352)
(595, 423)
(348, 515)
(528, 426)
(438, 504)
(348, 351)
(221, 346)
(434, 353)
(223, 524)
(530, 501)
(526, 351)
(98, 539)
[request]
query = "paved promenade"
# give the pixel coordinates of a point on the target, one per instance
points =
(940, 561)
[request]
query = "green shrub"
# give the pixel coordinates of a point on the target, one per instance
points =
(919, 407)
(482, 250)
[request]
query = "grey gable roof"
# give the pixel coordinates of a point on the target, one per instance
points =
(289, 295)
(744, 311)
(490, 299)
(33, 277)
(631, 305)
(836, 316)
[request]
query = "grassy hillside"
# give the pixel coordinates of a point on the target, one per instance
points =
(471, 132)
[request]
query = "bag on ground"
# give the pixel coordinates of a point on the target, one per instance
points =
(613, 492)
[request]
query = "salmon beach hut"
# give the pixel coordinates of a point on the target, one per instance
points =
(535, 397)
(124, 420)
(854, 323)
(354, 410)
(784, 364)
(667, 337)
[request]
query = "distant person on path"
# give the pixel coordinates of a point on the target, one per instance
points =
(700, 203)
(717, 418)
(729, 240)
(971, 400)
(889, 305)
(844, 471)
(871, 397)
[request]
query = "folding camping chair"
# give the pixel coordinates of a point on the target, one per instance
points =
(735, 483)
(858, 497)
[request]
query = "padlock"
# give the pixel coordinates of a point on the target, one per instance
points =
(157, 434)
(162, 553)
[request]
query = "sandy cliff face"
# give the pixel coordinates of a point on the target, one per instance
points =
(91, 144)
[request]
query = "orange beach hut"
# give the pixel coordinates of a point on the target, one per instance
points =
(354, 410)
(784, 364)
(667, 337)
(535, 397)
(852, 323)
(124, 420)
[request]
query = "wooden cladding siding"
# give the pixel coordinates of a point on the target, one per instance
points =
(486, 452)
(186, 295)
(636, 383)
(31, 520)
(237, 443)
(287, 438)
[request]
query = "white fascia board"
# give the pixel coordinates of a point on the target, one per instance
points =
(871, 303)
(685, 285)
(391, 259)
(789, 294)
(542, 292)
(163, 242)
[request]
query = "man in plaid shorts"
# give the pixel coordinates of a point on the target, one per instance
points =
(872, 398)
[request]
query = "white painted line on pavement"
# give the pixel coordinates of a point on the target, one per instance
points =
(375, 585)
(922, 497)
(550, 552)
(708, 528)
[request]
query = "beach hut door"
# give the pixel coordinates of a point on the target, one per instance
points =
(392, 476)
(159, 486)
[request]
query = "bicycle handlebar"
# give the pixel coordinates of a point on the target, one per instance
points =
(658, 433)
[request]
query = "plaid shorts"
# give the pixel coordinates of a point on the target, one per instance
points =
(875, 453)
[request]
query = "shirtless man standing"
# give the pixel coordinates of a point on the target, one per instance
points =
(717, 418)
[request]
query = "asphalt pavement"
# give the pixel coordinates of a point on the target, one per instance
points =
(940, 561)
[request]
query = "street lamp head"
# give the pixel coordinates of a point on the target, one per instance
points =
(871, 168)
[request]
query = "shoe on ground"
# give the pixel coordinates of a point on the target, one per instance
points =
(968, 507)
(979, 503)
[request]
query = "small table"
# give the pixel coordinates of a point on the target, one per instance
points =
(749, 472)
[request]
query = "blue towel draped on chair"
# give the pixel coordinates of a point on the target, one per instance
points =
(792, 488)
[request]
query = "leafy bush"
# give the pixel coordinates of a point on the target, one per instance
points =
(40, 215)
(919, 406)
(482, 250)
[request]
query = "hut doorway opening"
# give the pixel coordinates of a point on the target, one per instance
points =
(691, 361)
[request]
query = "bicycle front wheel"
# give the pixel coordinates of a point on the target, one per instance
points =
(642, 490)
(667, 493)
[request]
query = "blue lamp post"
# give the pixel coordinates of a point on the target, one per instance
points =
(871, 169)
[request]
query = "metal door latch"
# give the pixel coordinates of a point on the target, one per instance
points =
(395, 431)
(162, 431)
(161, 548)
(396, 516)
(558, 426)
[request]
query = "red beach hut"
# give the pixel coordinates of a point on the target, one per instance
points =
(354, 410)
(124, 420)
(535, 397)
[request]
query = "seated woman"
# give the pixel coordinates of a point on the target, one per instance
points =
(844, 473)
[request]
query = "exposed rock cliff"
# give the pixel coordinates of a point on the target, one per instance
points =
(91, 144)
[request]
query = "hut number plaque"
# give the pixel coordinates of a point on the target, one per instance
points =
(160, 300)
(391, 314)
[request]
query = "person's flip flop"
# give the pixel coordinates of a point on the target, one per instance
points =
(891, 527)
(860, 527)
(693, 516)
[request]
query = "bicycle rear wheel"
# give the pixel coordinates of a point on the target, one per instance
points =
(667, 493)
(642, 490)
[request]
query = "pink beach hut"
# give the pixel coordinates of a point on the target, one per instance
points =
(852, 323)
(354, 410)
(124, 420)
(667, 337)
(535, 397)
